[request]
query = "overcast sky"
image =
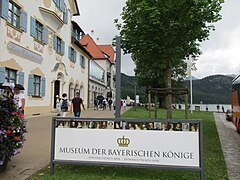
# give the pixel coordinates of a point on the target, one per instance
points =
(221, 53)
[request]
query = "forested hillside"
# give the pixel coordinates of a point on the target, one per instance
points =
(128, 88)
(210, 90)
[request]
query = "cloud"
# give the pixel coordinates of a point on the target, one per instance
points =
(220, 53)
(99, 16)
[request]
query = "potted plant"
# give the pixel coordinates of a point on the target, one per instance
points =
(12, 129)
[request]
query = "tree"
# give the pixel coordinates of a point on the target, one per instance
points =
(160, 35)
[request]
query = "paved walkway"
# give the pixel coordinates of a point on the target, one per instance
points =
(230, 141)
(35, 154)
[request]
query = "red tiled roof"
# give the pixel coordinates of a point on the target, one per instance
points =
(107, 49)
(92, 47)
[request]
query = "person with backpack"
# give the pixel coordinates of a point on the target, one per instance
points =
(110, 104)
(77, 102)
(64, 105)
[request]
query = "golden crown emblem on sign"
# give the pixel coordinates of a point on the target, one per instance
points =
(123, 142)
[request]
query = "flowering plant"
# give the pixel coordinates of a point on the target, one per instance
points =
(12, 128)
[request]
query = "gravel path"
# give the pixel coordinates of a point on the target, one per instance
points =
(230, 141)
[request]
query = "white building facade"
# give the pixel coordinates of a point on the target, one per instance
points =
(39, 50)
(102, 70)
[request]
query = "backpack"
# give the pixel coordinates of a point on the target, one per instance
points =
(64, 106)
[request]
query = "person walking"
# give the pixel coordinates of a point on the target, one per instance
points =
(110, 104)
(58, 105)
(218, 107)
(207, 108)
(64, 104)
(95, 104)
(20, 99)
(223, 109)
(77, 102)
(124, 105)
(104, 104)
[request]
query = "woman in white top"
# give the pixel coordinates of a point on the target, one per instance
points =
(20, 99)
(58, 109)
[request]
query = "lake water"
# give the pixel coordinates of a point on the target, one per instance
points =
(211, 107)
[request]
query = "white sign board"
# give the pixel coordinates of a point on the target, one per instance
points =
(168, 148)
(137, 99)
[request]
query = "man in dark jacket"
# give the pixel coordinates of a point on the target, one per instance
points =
(77, 102)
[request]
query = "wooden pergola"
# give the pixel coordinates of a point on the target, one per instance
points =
(173, 91)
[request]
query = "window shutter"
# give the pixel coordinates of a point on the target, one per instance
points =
(65, 18)
(75, 56)
(62, 47)
(55, 42)
(45, 35)
(24, 20)
(21, 78)
(33, 27)
(4, 9)
(69, 52)
(43, 86)
(84, 62)
(62, 6)
(80, 60)
(30, 84)
(2, 74)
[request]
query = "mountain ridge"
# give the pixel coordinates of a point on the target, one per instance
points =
(213, 89)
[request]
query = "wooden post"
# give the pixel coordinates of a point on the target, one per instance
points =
(186, 104)
(149, 102)
(155, 96)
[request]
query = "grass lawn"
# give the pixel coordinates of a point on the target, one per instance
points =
(214, 163)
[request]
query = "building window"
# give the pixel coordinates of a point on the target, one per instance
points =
(11, 76)
(65, 15)
(59, 44)
(96, 71)
(14, 14)
(77, 35)
(71, 91)
(72, 54)
(58, 3)
(39, 31)
(37, 85)
(82, 62)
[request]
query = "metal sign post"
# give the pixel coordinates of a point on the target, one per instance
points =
(118, 77)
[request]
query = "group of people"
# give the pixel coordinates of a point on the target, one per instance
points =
(76, 105)
(15, 93)
(102, 104)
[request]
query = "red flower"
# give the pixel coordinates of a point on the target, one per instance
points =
(9, 132)
(17, 138)
(14, 113)
(9, 127)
